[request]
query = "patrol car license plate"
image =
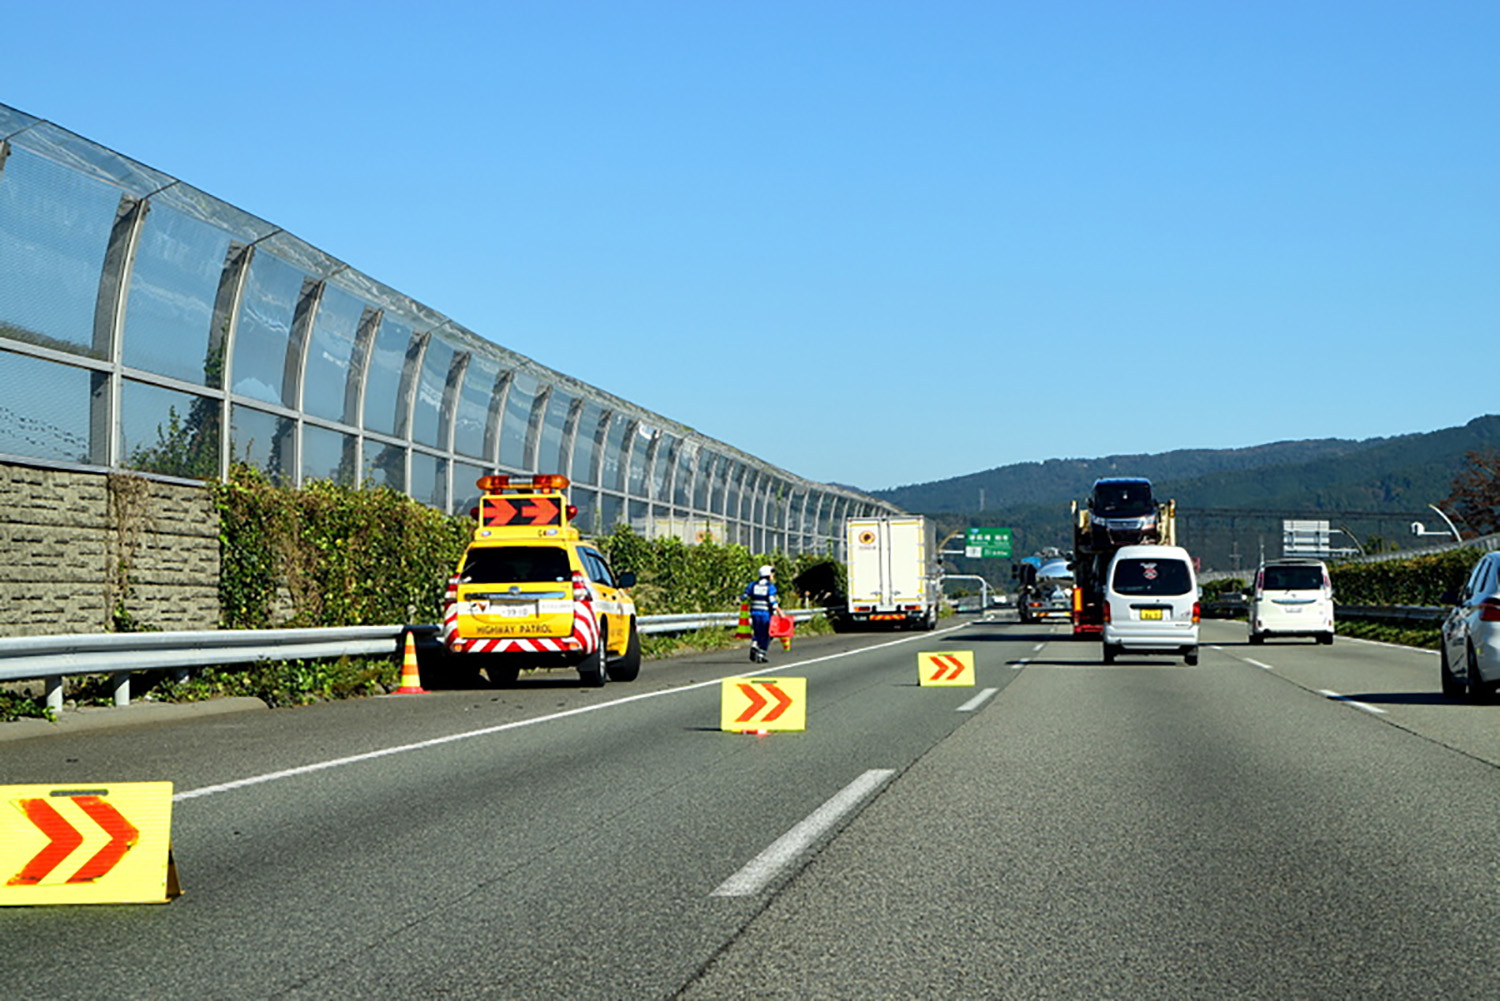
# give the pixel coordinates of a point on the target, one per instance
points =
(528, 610)
(1150, 613)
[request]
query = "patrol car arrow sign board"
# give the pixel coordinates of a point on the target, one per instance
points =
(523, 509)
(86, 844)
(950, 668)
(753, 705)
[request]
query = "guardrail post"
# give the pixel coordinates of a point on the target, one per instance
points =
(55, 693)
(121, 680)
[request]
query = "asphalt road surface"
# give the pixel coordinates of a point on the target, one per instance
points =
(1280, 821)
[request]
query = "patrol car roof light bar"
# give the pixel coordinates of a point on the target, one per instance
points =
(496, 482)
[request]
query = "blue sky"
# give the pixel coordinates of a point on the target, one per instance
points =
(874, 243)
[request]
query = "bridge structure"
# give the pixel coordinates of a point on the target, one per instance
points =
(147, 326)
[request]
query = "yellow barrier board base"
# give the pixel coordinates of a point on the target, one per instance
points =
(87, 843)
(761, 705)
(949, 669)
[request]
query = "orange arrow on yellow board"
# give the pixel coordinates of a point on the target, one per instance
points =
(108, 843)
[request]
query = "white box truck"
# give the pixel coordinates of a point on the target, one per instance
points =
(893, 573)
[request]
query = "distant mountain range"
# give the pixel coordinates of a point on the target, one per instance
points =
(1230, 502)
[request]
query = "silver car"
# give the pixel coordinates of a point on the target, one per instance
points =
(1470, 656)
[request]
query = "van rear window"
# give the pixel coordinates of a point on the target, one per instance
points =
(1158, 577)
(1307, 578)
(517, 565)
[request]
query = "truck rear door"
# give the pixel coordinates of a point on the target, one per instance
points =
(906, 560)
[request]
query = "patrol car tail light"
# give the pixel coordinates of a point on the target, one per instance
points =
(1489, 610)
(572, 511)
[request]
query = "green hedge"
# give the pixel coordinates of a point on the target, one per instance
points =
(709, 576)
(1421, 580)
(328, 555)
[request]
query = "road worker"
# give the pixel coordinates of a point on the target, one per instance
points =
(761, 596)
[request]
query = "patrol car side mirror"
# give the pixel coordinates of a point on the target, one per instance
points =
(626, 578)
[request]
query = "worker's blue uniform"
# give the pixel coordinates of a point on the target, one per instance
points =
(761, 595)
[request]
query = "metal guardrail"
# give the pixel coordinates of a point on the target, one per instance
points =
(52, 658)
(1415, 614)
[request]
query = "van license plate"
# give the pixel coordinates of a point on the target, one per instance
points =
(1150, 613)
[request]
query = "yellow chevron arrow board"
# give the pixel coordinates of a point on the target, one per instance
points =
(755, 705)
(948, 669)
(86, 843)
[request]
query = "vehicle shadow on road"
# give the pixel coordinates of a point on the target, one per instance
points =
(1409, 699)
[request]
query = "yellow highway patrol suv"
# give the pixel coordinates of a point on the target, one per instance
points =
(531, 592)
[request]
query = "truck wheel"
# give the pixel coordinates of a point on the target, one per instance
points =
(1325, 638)
(628, 667)
(591, 668)
(1190, 657)
(930, 623)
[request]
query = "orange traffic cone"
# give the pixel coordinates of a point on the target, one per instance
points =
(411, 678)
(742, 631)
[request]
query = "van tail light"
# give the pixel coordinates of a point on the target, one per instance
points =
(580, 587)
(1197, 612)
(1107, 617)
(1489, 610)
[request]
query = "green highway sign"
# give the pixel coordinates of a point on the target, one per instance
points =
(981, 542)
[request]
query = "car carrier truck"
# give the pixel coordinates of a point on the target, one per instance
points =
(893, 575)
(1119, 512)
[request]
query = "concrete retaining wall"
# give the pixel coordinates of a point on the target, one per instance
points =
(62, 537)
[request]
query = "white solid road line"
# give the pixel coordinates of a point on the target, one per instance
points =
(978, 700)
(788, 848)
(420, 745)
(1256, 663)
(1335, 696)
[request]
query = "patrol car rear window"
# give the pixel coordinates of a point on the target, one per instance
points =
(1152, 577)
(517, 565)
(1307, 578)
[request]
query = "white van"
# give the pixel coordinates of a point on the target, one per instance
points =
(1292, 597)
(1151, 603)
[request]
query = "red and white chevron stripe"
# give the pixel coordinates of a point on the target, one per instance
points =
(585, 635)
